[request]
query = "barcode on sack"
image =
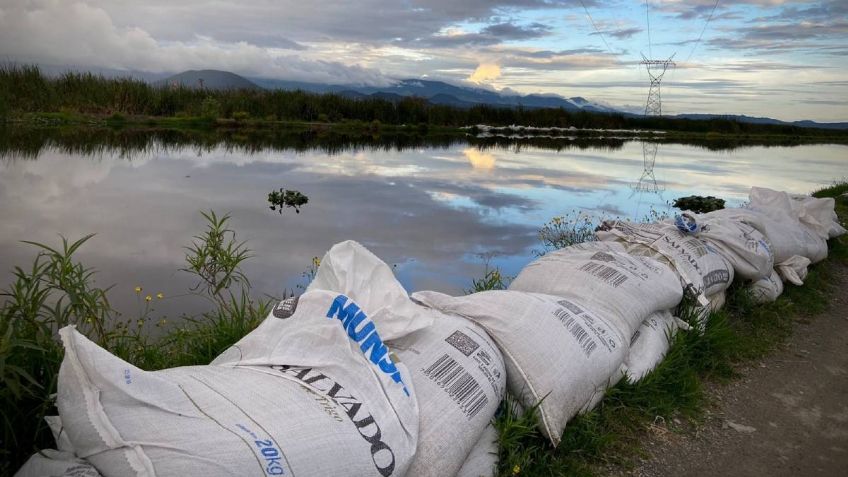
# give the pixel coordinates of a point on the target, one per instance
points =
(605, 273)
(570, 306)
(581, 335)
(696, 247)
(458, 384)
(462, 342)
(584, 339)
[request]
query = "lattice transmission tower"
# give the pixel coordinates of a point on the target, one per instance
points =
(656, 70)
(647, 182)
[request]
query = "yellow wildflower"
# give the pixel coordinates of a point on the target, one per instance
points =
(148, 298)
(160, 295)
(516, 470)
(138, 289)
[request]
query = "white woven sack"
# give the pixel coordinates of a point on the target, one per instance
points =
(698, 264)
(459, 379)
(613, 284)
(457, 370)
(766, 290)
(557, 351)
(780, 216)
(793, 270)
(650, 344)
(348, 267)
(482, 461)
(56, 463)
(312, 391)
(736, 235)
(819, 215)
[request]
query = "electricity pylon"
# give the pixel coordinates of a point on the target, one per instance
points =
(647, 182)
(656, 70)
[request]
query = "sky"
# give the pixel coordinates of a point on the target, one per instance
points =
(786, 59)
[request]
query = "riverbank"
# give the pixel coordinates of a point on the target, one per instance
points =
(28, 96)
(370, 129)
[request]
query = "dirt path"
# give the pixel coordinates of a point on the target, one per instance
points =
(787, 416)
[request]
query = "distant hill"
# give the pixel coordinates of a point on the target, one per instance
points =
(759, 120)
(211, 79)
(439, 92)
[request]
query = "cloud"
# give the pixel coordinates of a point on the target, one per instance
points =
(490, 35)
(75, 33)
(485, 72)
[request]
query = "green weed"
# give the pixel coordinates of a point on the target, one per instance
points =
(56, 290)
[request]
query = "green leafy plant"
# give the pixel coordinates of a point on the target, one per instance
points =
(215, 258)
(565, 230)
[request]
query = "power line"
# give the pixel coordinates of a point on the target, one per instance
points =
(596, 27)
(698, 41)
(648, 20)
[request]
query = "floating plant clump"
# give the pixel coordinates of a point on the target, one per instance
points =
(280, 199)
(699, 204)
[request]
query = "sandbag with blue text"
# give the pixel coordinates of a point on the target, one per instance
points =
(457, 370)
(312, 391)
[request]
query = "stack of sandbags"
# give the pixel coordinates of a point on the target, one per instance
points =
(565, 323)
(457, 369)
(313, 390)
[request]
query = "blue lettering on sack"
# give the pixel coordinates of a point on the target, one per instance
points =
(269, 452)
(363, 331)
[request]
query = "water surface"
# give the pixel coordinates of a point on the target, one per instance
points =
(431, 210)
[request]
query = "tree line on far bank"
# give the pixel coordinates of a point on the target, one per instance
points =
(24, 89)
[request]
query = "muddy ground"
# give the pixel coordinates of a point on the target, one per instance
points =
(786, 416)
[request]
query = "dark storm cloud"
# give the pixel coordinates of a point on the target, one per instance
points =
(490, 35)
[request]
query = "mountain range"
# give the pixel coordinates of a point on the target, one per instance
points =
(439, 92)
